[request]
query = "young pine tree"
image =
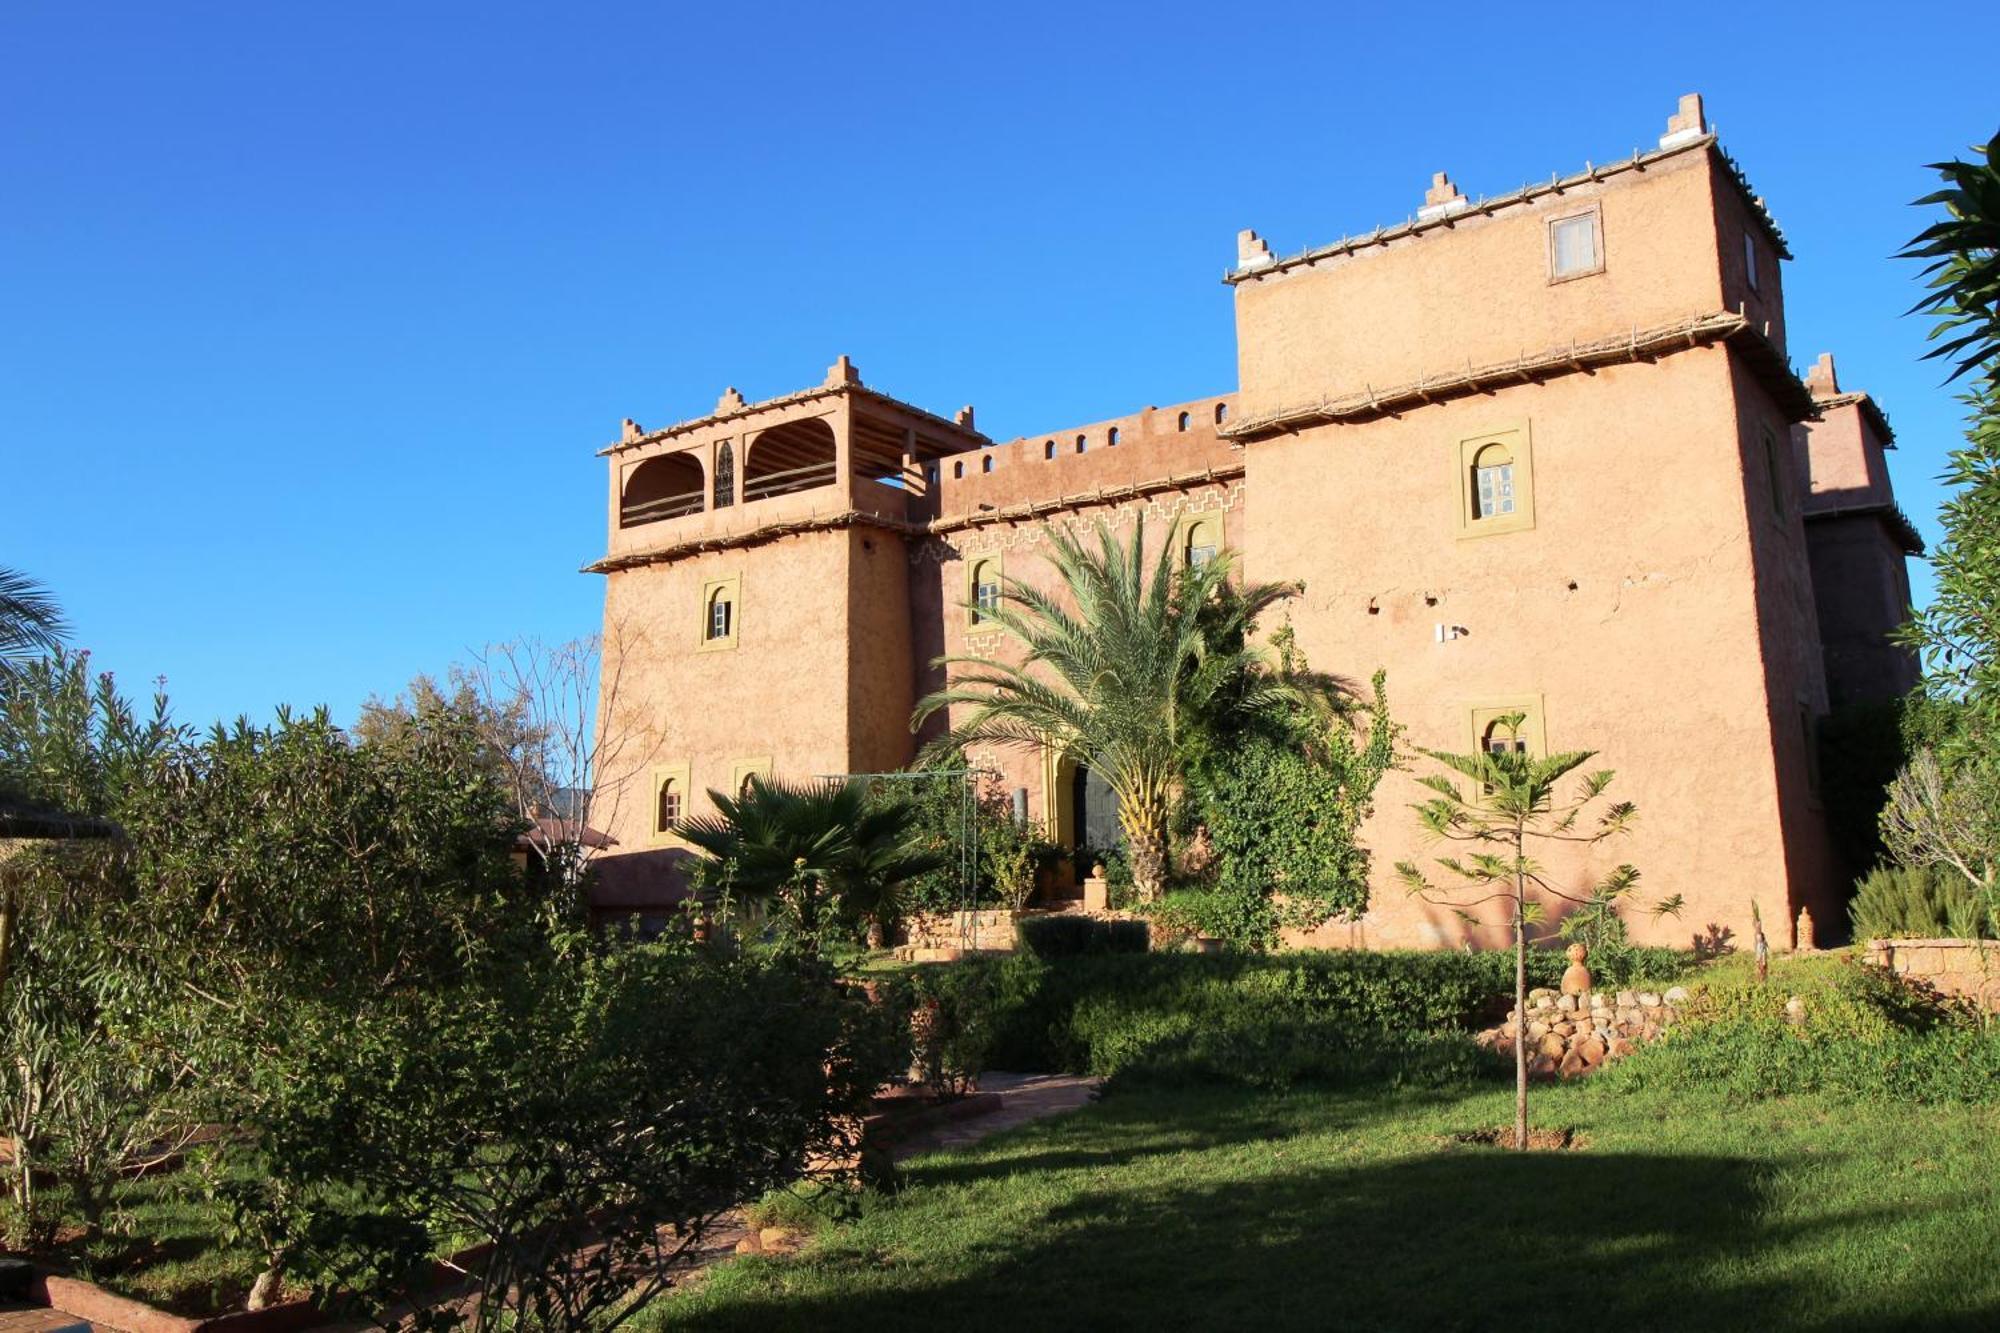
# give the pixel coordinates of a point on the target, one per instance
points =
(1511, 808)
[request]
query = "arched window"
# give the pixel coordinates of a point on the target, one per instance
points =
(1201, 542)
(721, 615)
(1079, 444)
(958, 469)
(1049, 449)
(985, 590)
(725, 475)
(986, 463)
(793, 456)
(1500, 738)
(1221, 413)
(667, 811)
(1185, 417)
(1492, 482)
(747, 787)
(931, 473)
(667, 486)
(1111, 437)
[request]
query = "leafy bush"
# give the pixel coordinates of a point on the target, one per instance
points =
(1865, 1033)
(584, 1113)
(1923, 903)
(1069, 935)
(1266, 1019)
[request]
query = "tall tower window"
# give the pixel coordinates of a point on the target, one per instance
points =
(725, 475)
(985, 590)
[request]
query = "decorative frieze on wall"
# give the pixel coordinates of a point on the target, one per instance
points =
(1158, 510)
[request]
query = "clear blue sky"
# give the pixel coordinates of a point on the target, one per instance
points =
(311, 316)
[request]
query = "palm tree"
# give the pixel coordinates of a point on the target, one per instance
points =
(822, 849)
(30, 621)
(1125, 666)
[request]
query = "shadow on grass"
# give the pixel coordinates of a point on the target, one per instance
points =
(1124, 1130)
(1465, 1238)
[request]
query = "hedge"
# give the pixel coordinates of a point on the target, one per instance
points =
(1310, 1014)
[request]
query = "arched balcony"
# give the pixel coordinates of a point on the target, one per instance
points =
(797, 456)
(661, 488)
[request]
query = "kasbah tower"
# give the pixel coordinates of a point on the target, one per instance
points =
(1539, 453)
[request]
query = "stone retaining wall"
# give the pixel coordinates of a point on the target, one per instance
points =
(1955, 967)
(988, 930)
(1569, 1035)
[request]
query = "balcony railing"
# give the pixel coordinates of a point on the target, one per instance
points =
(652, 511)
(793, 479)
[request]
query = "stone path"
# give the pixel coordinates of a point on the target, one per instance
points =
(1023, 1098)
(41, 1319)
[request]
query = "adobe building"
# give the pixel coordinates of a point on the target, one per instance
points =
(1540, 453)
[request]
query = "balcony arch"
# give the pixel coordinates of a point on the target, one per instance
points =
(660, 488)
(797, 456)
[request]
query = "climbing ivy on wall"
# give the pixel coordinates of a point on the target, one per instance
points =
(1283, 812)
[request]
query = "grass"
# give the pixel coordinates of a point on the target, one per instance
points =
(164, 1245)
(1166, 1209)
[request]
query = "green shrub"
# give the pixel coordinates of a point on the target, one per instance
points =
(1069, 935)
(1893, 902)
(1865, 1034)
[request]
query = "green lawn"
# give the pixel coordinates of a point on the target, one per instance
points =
(1168, 1210)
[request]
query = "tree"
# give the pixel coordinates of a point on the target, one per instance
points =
(550, 713)
(823, 850)
(1514, 805)
(89, 1085)
(30, 621)
(1123, 667)
(1944, 807)
(296, 873)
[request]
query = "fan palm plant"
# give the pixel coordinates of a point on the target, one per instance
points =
(1125, 665)
(30, 621)
(823, 850)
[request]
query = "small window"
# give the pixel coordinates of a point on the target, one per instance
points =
(721, 616)
(1202, 542)
(1184, 419)
(1111, 437)
(1573, 247)
(931, 473)
(725, 476)
(1750, 260)
(667, 810)
(985, 590)
(1049, 449)
(986, 463)
(1500, 738)
(1079, 444)
(1510, 725)
(747, 787)
(1496, 482)
(1221, 413)
(958, 469)
(1492, 483)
